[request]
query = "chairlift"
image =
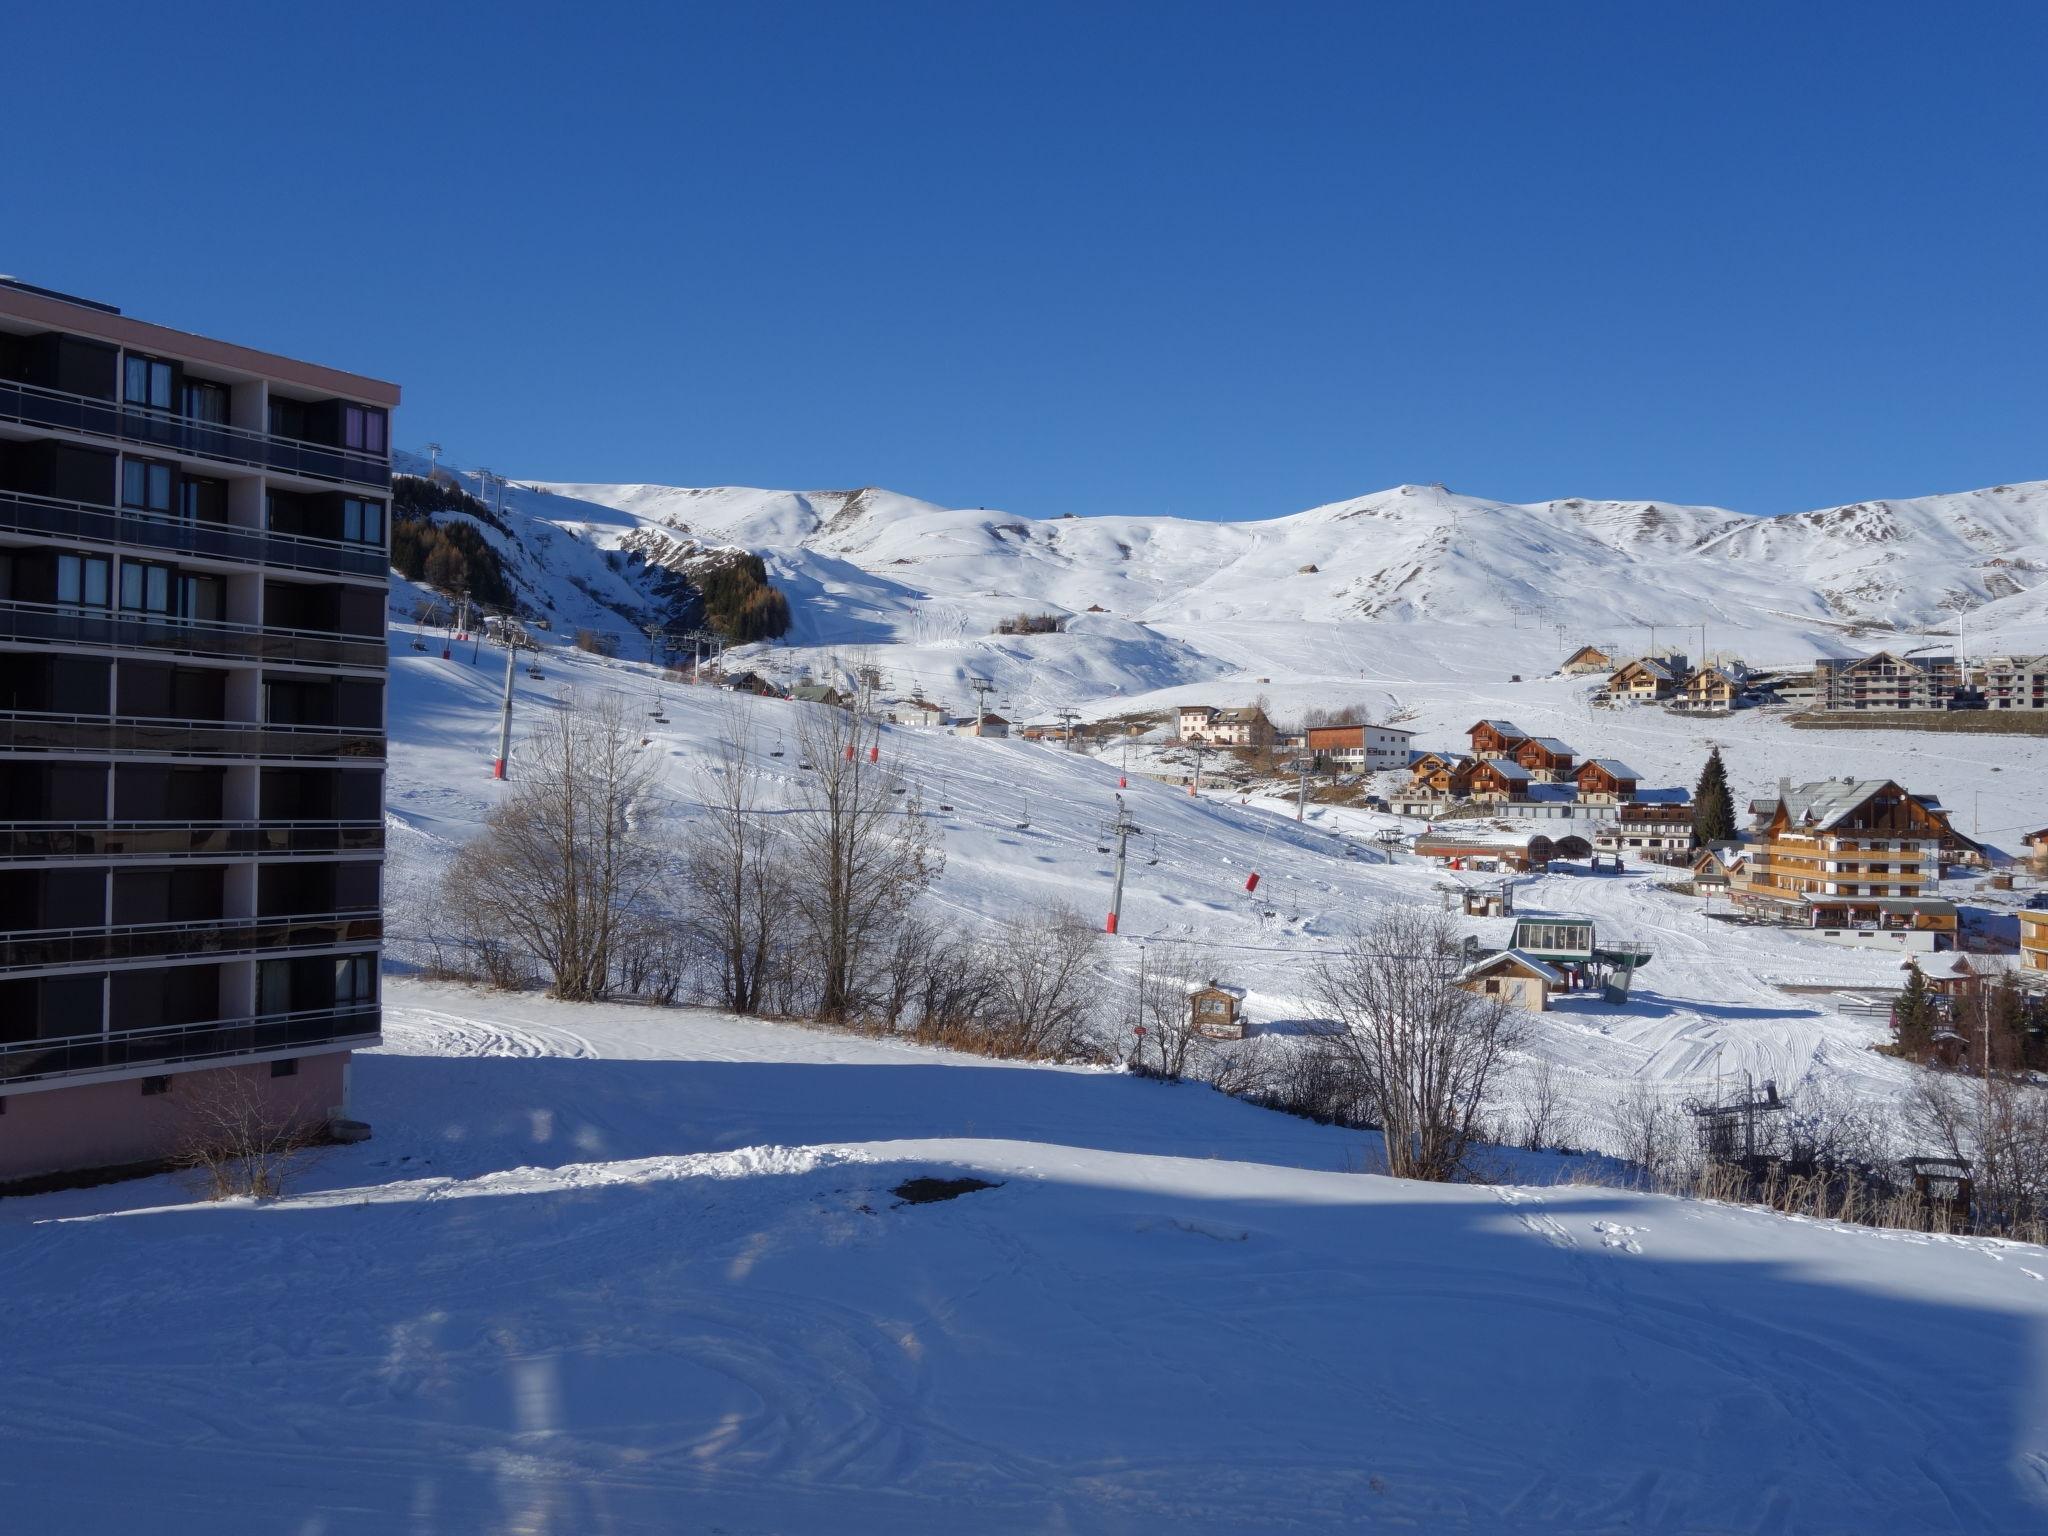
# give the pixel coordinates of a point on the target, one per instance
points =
(418, 644)
(533, 671)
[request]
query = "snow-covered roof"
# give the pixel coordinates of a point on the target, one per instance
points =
(1211, 986)
(1507, 768)
(1527, 961)
(1503, 728)
(1823, 802)
(1552, 744)
(1613, 766)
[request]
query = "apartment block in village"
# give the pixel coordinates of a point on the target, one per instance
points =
(193, 558)
(1850, 859)
(1886, 680)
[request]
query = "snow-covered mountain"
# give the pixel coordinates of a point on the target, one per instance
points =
(1410, 553)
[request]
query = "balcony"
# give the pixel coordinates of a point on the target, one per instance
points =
(212, 937)
(35, 840)
(102, 629)
(172, 1043)
(97, 736)
(129, 528)
(32, 405)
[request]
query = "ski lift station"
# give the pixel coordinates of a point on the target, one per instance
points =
(1572, 946)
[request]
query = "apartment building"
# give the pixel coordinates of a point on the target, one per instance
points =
(193, 558)
(1358, 748)
(2034, 947)
(2015, 682)
(1851, 859)
(1886, 680)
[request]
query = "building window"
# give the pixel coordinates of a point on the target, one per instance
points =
(145, 588)
(362, 428)
(362, 521)
(146, 381)
(82, 581)
(206, 402)
(145, 486)
(355, 981)
(152, 1086)
(286, 1068)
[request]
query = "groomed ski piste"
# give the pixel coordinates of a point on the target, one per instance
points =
(620, 1269)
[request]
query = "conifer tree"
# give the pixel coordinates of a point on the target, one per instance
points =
(1713, 808)
(1913, 1017)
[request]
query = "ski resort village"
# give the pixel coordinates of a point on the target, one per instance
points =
(915, 770)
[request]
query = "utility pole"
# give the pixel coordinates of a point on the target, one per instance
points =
(982, 687)
(1121, 829)
(1301, 790)
(505, 709)
(433, 458)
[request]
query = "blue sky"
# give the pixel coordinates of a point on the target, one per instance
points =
(1214, 260)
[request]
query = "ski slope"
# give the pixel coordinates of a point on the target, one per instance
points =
(1024, 834)
(616, 1270)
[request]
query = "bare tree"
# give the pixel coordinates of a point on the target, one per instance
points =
(1046, 985)
(1542, 1110)
(736, 892)
(2000, 1127)
(1651, 1132)
(566, 866)
(865, 853)
(237, 1139)
(1171, 1044)
(1423, 1049)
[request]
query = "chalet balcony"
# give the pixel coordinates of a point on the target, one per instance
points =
(129, 528)
(347, 1023)
(100, 736)
(34, 406)
(37, 840)
(107, 629)
(212, 937)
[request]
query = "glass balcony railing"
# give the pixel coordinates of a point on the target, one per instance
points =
(184, 839)
(85, 735)
(28, 1060)
(107, 629)
(32, 405)
(214, 936)
(128, 527)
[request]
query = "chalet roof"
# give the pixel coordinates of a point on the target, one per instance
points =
(1552, 744)
(1822, 802)
(1506, 768)
(1526, 961)
(993, 719)
(1503, 728)
(1613, 766)
(813, 693)
(1199, 709)
(1246, 715)
(1195, 987)
(1653, 665)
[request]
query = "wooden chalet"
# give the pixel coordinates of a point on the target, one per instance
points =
(818, 693)
(1548, 760)
(1519, 980)
(754, 683)
(2034, 947)
(1586, 659)
(1495, 738)
(1646, 679)
(2036, 844)
(1216, 1011)
(1605, 781)
(1485, 848)
(1852, 858)
(990, 724)
(1713, 690)
(1719, 866)
(1492, 779)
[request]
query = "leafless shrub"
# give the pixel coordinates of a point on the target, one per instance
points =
(1171, 1045)
(1653, 1133)
(2000, 1127)
(1424, 1051)
(565, 867)
(865, 853)
(235, 1140)
(737, 882)
(1045, 986)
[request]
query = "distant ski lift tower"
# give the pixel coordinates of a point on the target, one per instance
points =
(1121, 828)
(982, 688)
(505, 708)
